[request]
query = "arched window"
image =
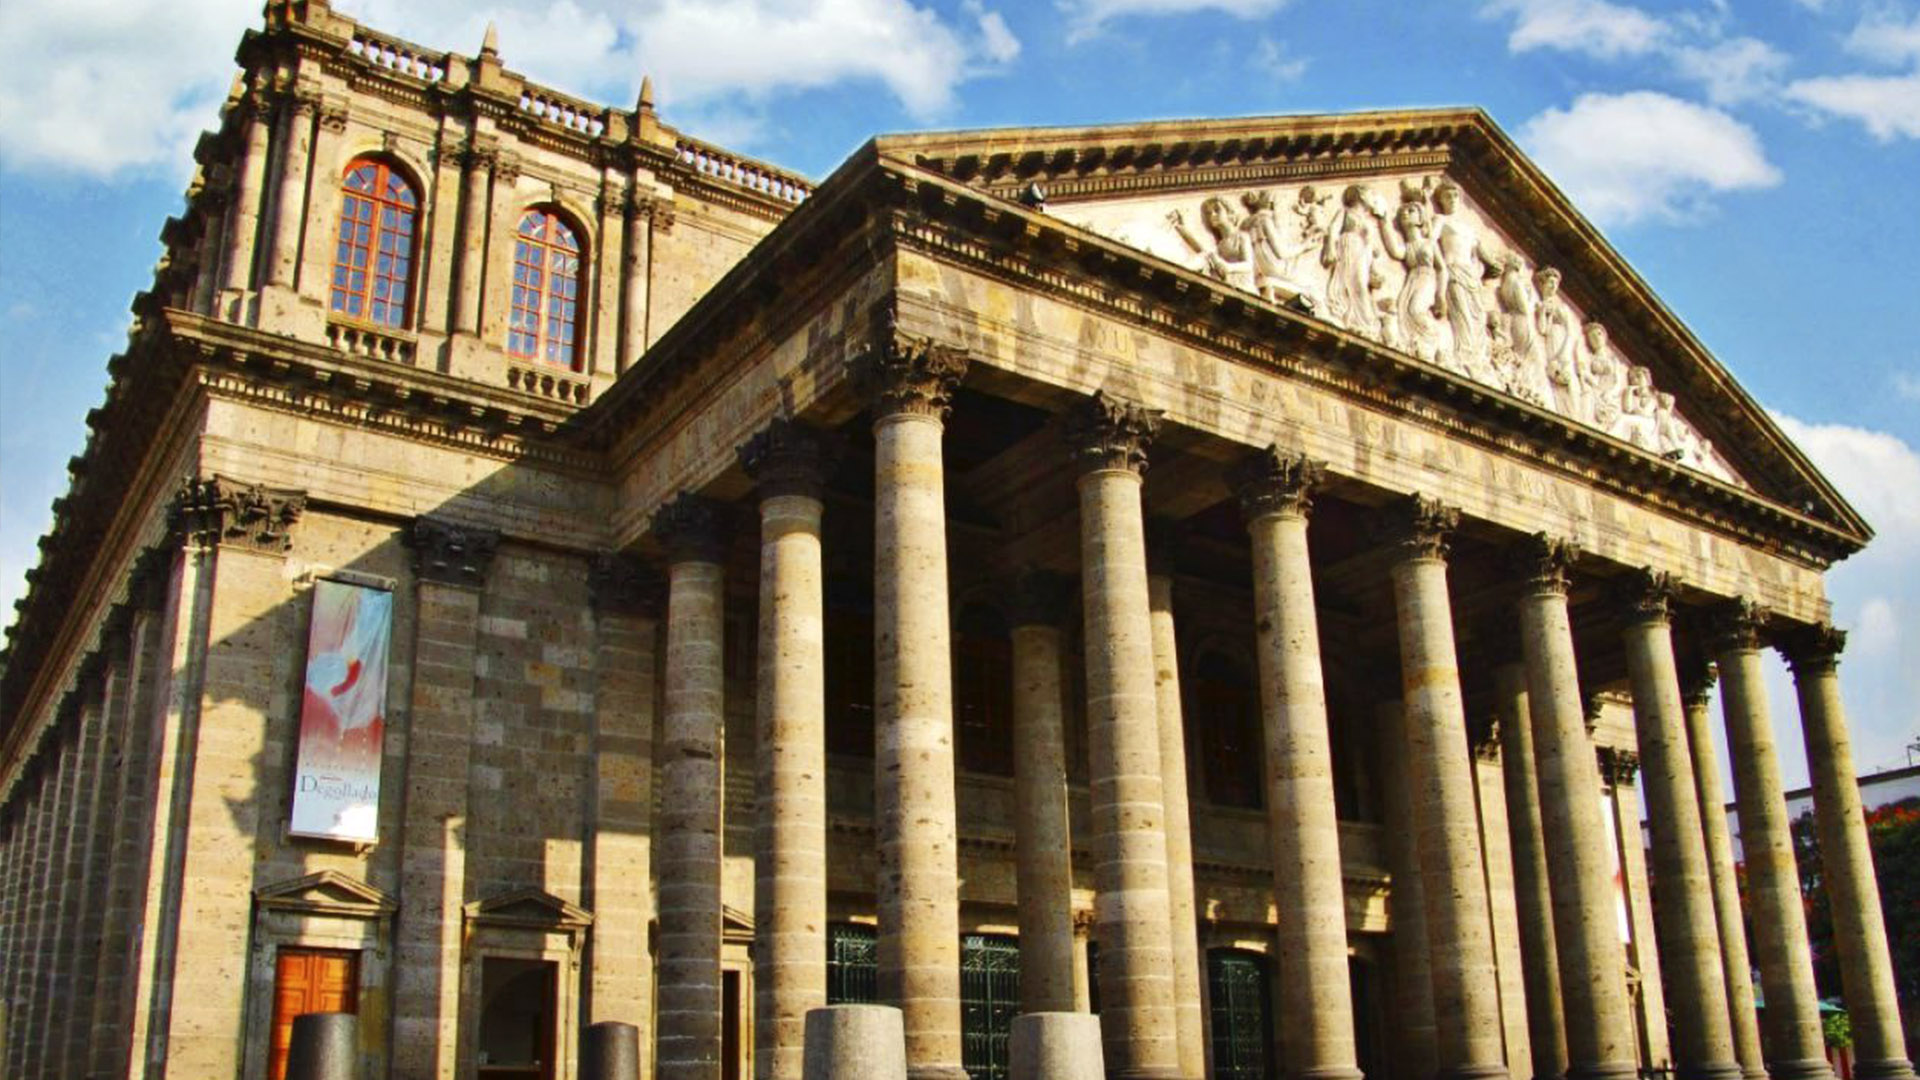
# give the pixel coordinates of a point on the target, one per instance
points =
(546, 291)
(373, 259)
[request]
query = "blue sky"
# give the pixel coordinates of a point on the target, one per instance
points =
(1758, 161)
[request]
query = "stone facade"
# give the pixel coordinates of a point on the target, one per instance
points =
(1008, 539)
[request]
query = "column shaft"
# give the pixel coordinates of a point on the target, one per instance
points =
(289, 204)
(635, 259)
(919, 881)
(1846, 861)
(1600, 1031)
(1303, 829)
(688, 1036)
(1546, 1024)
(1189, 1020)
(1460, 947)
(1043, 839)
(1736, 969)
(1795, 1047)
(249, 184)
(473, 240)
(790, 833)
(1689, 934)
(1130, 845)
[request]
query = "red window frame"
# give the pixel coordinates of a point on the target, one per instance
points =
(373, 255)
(544, 324)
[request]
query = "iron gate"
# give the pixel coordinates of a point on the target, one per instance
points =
(1242, 1013)
(989, 1000)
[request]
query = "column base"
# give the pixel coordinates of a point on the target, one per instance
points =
(1473, 1072)
(936, 1072)
(1884, 1069)
(1803, 1069)
(1169, 1073)
(1328, 1072)
(1603, 1070)
(1719, 1070)
(1752, 1074)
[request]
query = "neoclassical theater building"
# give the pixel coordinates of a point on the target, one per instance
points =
(533, 567)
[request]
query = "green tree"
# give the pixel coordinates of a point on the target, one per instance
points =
(1893, 833)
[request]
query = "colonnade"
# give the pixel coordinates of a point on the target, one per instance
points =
(1580, 1013)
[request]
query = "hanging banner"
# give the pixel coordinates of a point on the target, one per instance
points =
(336, 775)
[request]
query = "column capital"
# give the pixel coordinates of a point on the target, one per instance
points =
(788, 458)
(1040, 598)
(1483, 736)
(449, 554)
(620, 584)
(693, 528)
(906, 375)
(1739, 626)
(1107, 432)
(1547, 561)
(1618, 766)
(1697, 676)
(216, 511)
(1420, 527)
(480, 155)
(1649, 596)
(1273, 481)
(333, 117)
(1813, 649)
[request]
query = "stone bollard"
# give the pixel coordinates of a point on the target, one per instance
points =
(855, 1042)
(1056, 1046)
(611, 1051)
(326, 1046)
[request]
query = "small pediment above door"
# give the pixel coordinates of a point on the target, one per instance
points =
(328, 892)
(529, 909)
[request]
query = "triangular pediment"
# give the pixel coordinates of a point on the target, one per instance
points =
(1425, 232)
(326, 892)
(532, 909)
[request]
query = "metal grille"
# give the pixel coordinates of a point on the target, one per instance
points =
(989, 1000)
(853, 965)
(1241, 1012)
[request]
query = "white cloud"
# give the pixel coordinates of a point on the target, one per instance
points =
(1630, 157)
(1888, 106)
(103, 87)
(1085, 18)
(1732, 71)
(1595, 27)
(1875, 594)
(1883, 38)
(1272, 58)
(1907, 384)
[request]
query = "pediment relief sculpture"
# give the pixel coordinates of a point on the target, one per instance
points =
(1410, 263)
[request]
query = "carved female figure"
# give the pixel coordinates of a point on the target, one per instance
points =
(1637, 406)
(1352, 239)
(1466, 260)
(1599, 379)
(1417, 327)
(1226, 253)
(1557, 331)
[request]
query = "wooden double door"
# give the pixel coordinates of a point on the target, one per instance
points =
(309, 981)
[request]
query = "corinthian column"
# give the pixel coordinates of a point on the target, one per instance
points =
(1600, 1033)
(1696, 691)
(787, 462)
(1794, 1044)
(1540, 960)
(249, 184)
(1860, 930)
(1043, 858)
(1689, 933)
(1109, 441)
(1189, 1022)
(1466, 1002)
(688, 1024)
(1316, 1004)
(289, 204)
(479, 160)
(919, 875)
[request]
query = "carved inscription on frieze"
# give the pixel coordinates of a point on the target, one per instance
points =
(1409, 263)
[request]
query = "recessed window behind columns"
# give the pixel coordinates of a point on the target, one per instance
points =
(544, 324)
(983, 691)
(1223, 709)
(373, 251)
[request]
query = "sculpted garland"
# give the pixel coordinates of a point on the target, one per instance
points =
(1421, 275)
